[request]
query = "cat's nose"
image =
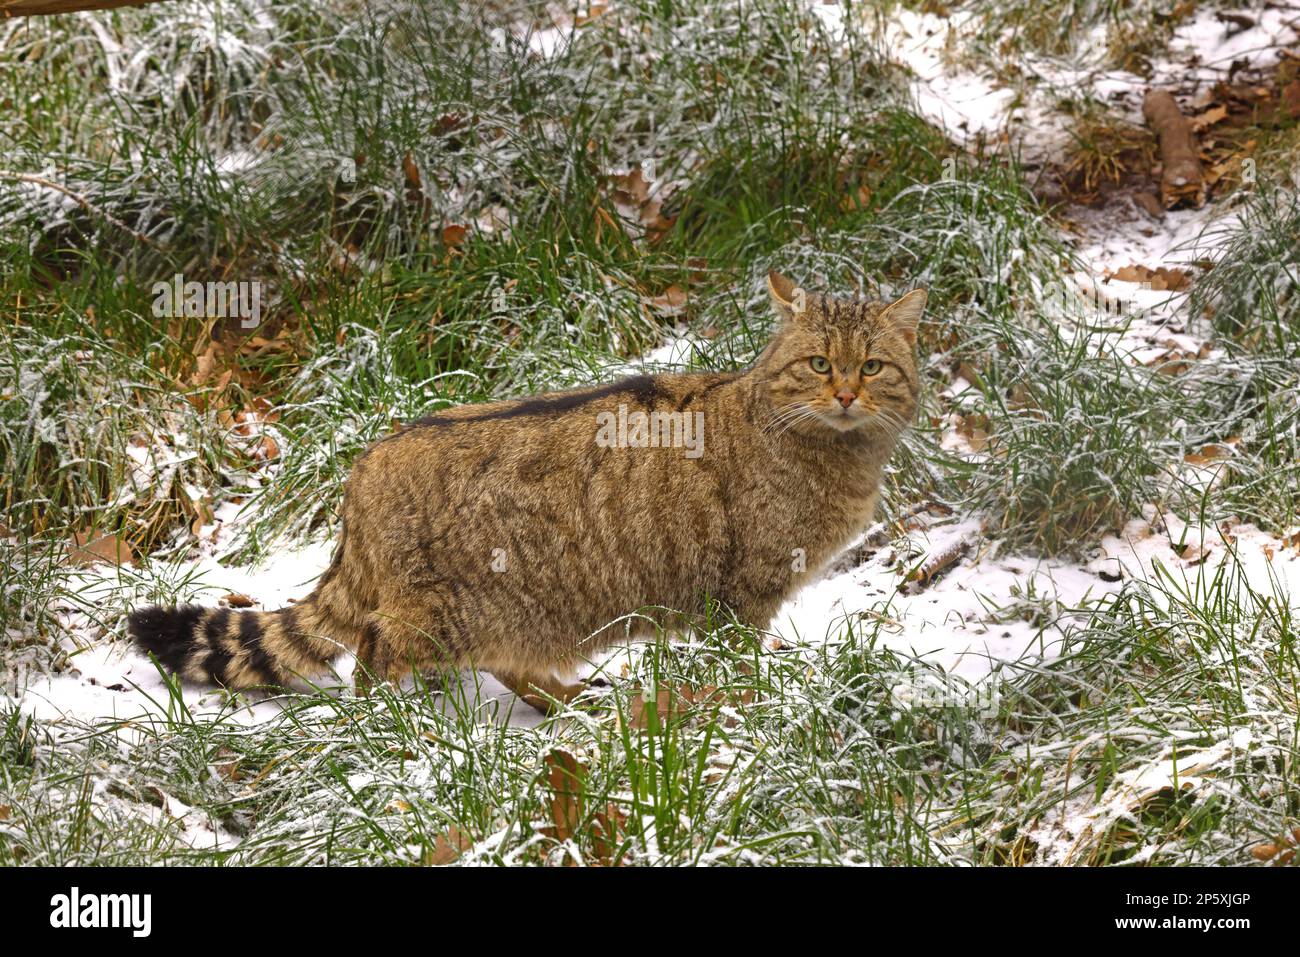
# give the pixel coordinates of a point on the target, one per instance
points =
(846, 398)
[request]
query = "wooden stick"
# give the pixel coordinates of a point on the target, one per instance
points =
(78, 199)
(1182, 180)
(30, 8)
(943, 559)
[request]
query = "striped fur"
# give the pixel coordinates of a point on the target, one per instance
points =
(508, 537)
(249, 649)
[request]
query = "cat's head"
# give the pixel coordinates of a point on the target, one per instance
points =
(841, 364)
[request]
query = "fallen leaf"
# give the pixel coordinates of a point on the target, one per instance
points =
(593, 12)
(671, 301)
(447, 122)
(237, 600)
(1019, 397)
(1150, 204)
(655, 222)
(1291, 99)
(666, 705)
(676, 702)
(203, 515)
(1192, 554)
(1264, 852)
(1160, 279)
(205, 363)
(411, 171)
(454, 234)
(856, 199)
(447, 848)
(1211, 116)
(1208, 455)
(606, 833)
(260, 345)
(87, 550)
(565, 775)
(632, 188)
(226, 764)
(1280, 851)
(975, 430)
(968, 372)
(267, 449)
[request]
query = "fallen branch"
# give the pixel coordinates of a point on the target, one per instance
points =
(29, 8)
(79, 200)
(1182, 179)
(937, 562)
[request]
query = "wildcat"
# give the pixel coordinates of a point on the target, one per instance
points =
(509, 536)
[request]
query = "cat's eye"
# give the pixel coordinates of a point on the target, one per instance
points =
(820, 364)
(871, 367)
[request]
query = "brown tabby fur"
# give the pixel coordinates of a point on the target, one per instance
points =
(503, 536)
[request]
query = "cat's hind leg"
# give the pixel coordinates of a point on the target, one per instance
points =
(397, 641)
(374, 662)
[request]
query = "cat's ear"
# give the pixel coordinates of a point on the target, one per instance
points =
(906, 313)
(788, 298)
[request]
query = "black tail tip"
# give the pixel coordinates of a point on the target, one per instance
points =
(166, 633)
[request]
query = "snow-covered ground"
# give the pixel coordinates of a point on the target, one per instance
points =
(109, 679)
(973, 619)
(970, 618)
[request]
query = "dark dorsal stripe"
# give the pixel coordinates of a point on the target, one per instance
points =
(643, 388)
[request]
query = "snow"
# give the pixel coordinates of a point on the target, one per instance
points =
(985, 616)
(1212, 46)
(108, 679)
(975, 108)
(959, 101)
(979, 618)
(550, 41)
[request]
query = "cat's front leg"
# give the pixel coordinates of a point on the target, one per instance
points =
(537, 690)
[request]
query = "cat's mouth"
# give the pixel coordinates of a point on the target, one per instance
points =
(844, 419)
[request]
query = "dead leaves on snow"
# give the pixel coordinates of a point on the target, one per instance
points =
(680, 702)
(566, 778)
(88, 548)
(638, 208)
(1160, 279)
(1279, 852)
(1230, 117)
(447, 847)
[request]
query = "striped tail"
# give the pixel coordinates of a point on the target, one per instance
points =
(238, 649)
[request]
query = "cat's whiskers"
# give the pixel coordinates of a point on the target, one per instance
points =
(890, 422)
(790, 422)
(805, 414)
(791, 410)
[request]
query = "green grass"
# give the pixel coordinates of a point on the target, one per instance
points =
(813, 755)
(329, 162)
(1135, 30)
(1252, 300)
